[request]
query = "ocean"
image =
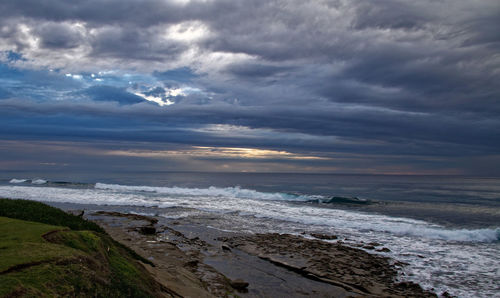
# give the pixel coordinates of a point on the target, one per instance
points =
(443, 231)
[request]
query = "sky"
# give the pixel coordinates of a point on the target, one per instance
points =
(340, 86)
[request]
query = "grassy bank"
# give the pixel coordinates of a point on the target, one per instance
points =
(46, 252)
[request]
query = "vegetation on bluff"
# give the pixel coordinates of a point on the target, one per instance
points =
(46, 252)
(39, 212)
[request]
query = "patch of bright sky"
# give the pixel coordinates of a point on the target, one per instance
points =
(12, 78)
(216, 152)
(74, 76)
(187, 31)
(159, 100)
(10, 56)
(227, 131)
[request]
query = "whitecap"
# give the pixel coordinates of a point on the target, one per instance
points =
(212, 191)
(15, 181)
(38, 181)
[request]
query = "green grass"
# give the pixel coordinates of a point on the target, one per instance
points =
(39, 212)
(65, 262)
(21, 243)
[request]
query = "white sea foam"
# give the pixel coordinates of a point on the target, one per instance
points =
(38, 181)
(16, 181)
(233, 192)
(475, 235)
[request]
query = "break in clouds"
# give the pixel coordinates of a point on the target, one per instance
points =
(332, 86)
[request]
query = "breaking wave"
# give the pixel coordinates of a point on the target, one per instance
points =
(36, 181)
(249, 202)
(461, 235)
(16, 181)
(212, 191)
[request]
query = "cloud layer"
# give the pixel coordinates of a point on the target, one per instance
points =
(389, 86)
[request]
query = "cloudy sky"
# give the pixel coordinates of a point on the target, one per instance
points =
(340, 86)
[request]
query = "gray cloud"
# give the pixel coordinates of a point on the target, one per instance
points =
(133, 43)
(390, 77)
(109, 93)
(56, 35)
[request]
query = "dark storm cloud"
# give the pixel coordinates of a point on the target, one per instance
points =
(257, 70)
(385, 143)
(382, 79)
(55, 35)
(109, 93)
(420, 134)
(132, 43)
(388, 44)
(179, 75)
(389, 14)
(98, 12)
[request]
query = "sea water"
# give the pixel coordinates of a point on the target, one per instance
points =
(446, 229)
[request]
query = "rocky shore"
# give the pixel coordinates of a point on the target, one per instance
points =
(352, 269)
(196, 261)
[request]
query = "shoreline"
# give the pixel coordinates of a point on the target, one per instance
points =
(225, 261)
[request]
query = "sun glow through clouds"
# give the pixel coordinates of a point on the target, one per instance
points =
(187, 31)
(218, 152)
